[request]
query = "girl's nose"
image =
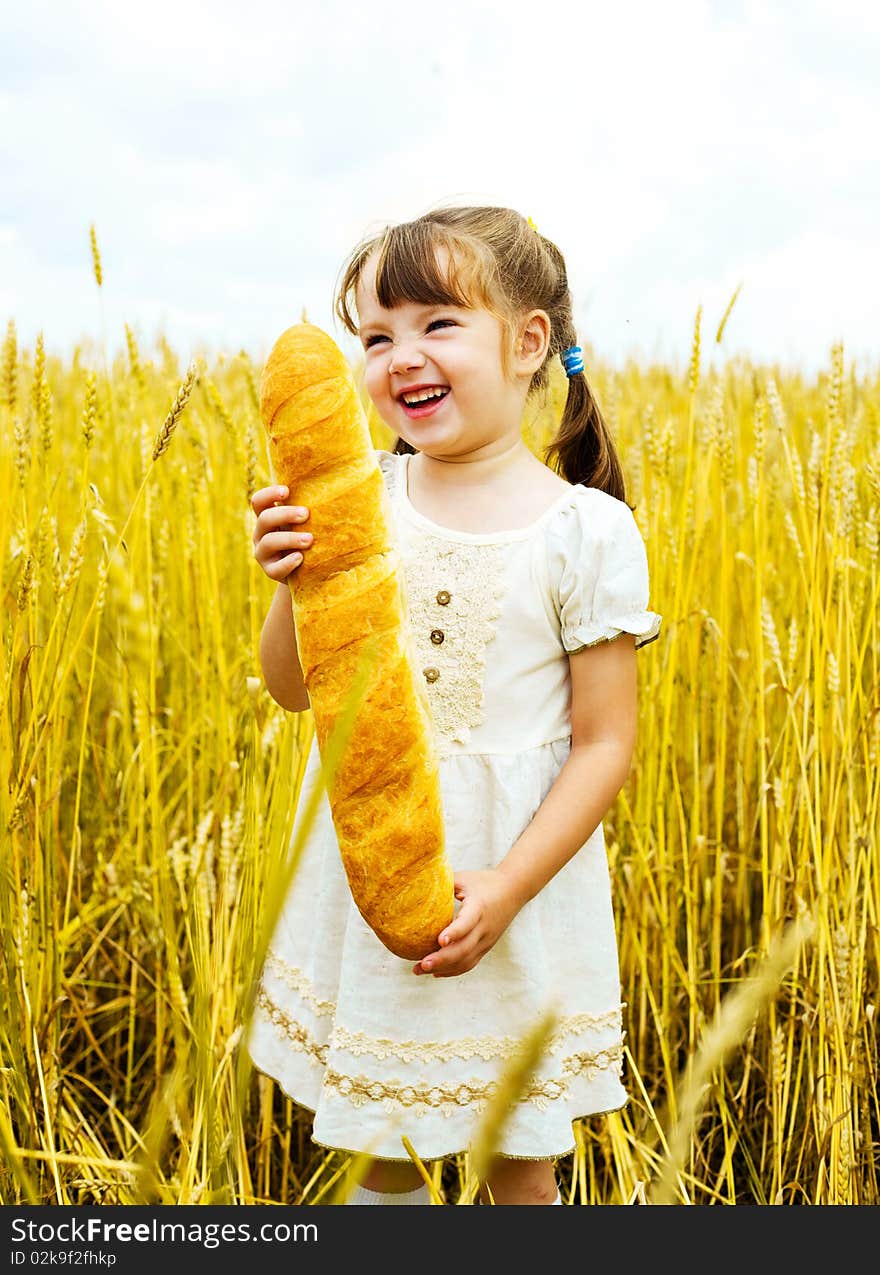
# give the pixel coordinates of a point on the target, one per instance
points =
(406, 355)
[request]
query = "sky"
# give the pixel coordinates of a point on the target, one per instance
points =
(231, 155)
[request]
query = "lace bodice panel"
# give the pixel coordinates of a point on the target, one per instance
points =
(485, 634)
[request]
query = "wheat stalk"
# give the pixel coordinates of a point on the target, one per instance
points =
(726, 315)
(163, 438)
(731, 1024)
(508, 1089)
(96, 256)
(10, 366)
(694, 366)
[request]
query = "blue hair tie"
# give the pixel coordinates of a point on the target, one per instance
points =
(572, 360)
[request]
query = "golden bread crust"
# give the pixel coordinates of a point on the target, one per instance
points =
(385, 794)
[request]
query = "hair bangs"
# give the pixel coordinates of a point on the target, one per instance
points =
(409, 268)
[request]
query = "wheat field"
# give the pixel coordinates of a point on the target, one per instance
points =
(150, 784)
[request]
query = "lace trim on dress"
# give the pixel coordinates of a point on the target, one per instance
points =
(485, 1047)
(295, 1032)
(454, 594)
(297, 981)
(423, 1098)
(635, 625)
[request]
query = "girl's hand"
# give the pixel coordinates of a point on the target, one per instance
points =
(277, 542)
(487, 907)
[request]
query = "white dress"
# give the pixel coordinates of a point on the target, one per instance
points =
(343, 1025)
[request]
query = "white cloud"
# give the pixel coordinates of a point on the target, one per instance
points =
(231, 159)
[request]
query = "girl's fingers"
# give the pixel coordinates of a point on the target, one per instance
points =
(273, 559)
(267, 505)
(444, 963)
(274, 532)
(468, 915)
(293, 541)
(281, 568)
(269, 551)
(263, 498)
(455, 932)
(279, 518)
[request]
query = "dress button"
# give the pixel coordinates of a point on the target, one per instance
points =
(443, 597)
(431, 674)
(437, 636)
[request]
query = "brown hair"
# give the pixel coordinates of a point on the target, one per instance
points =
(499, 261)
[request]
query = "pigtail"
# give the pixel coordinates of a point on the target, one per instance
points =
(583, 450)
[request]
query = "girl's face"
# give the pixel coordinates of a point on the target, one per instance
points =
(458, 350)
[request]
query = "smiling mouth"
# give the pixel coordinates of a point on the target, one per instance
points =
(436, 392)
(424, 407)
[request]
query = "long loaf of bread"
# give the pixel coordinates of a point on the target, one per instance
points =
(384, 796)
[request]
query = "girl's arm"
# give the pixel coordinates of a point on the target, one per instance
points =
(604, 709)
(279, 657)
(603, 733)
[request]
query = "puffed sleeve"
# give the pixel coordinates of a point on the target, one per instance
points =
(602, 572)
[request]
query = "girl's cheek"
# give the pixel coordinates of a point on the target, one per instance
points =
(373, 385)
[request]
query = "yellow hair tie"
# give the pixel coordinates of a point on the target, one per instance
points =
(532, 224)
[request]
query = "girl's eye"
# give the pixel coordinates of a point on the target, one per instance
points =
(371, 340)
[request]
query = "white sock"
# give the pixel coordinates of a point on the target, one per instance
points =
(558, 1199)
(363, 1195)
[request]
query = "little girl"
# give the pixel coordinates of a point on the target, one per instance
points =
(527, 590)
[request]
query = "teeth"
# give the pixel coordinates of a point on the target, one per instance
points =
(422, 396)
